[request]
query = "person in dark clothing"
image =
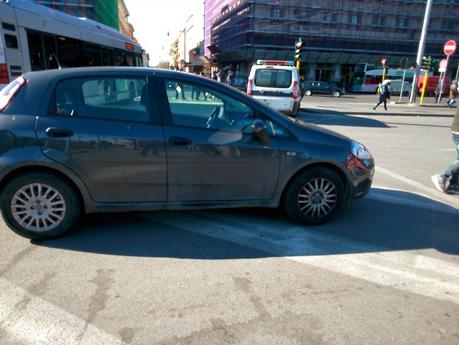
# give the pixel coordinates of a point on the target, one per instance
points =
(384, 94)
(448, 180)
(230, 77)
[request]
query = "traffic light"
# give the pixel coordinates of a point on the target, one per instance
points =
(426, 63)
(298, 46)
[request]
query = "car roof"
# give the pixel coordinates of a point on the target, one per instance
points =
(289, 68)
(67, 72)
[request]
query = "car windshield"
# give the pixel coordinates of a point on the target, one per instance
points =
(273, 78)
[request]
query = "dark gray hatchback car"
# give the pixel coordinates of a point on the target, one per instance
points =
(134, 139)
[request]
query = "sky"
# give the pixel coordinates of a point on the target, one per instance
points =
(154, 19)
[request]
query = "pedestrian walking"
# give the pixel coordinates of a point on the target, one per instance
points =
(384, 94)
(230, 77)
(452, 94)
(448, 180)
(219, 76)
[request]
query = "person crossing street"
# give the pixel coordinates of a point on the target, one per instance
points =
(448, 180)
(384, 94)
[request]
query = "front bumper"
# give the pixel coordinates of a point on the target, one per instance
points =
(362, 173)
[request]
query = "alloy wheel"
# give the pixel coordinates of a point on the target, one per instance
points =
(317, 198)
(38, 207)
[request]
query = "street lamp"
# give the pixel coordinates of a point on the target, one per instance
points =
(422, 44)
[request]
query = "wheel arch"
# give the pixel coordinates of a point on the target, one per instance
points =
(44, 169)
(326, 165)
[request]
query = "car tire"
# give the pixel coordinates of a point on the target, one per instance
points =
(308, 195)
(308, 92)
(39, 206)
(336, 94)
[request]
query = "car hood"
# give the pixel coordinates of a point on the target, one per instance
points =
(309, 132)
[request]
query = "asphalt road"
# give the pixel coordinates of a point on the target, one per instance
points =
(386, 271)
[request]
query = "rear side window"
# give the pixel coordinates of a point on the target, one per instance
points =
(8, 92)
(110, 98)
(11, 41)
(279, 78)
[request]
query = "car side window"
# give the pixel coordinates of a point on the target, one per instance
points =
(193, 105)
(107, 98)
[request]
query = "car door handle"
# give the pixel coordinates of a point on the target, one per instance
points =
(179, 141)
(58, 132)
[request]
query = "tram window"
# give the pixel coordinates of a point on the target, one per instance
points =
(9, 27)
(36, 57)
(69, 52)
(51, 52)
(90, 54)
(11, 41)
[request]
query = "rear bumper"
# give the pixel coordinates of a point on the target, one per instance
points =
(283, 104)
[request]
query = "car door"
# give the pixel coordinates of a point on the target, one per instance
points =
(211, 153)
(104, 130)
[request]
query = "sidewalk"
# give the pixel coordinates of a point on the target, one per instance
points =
(363, 105)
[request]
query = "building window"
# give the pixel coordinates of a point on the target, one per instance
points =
(277, 13)
(326, 17)
(449, 25)
(355, 19)
(403, 22)
(379, 20)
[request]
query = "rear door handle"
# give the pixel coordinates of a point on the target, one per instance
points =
(179, 141)
(58, 132)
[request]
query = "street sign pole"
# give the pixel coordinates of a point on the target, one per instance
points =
(443, 81)
(383, 62)
(421, 48)
(403, 79)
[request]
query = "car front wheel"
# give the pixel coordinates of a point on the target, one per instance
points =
(39, 206)
(314, 196)
(308, 93)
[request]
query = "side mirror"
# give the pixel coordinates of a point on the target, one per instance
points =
(259, 130)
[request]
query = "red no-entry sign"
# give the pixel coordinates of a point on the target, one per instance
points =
(450, 47)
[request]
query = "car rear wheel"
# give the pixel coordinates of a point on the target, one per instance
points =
(39, 206)
(336, 94)
(314, 196)
(308, 93)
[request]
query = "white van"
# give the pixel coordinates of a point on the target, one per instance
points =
(276, 83)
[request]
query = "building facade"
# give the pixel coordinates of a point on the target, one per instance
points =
(123, 15)
(186, 41)
(337, 34)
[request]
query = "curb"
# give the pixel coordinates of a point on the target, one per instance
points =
(325, 111)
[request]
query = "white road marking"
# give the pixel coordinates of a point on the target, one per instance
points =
(402, 270)
(447, 149)
(431, 192)
(377, 193)
(32, 320)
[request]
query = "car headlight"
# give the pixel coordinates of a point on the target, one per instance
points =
(359, 151)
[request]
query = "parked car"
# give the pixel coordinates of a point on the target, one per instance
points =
(396, 87)
(112, 139)
(276, 84)
(321, 87)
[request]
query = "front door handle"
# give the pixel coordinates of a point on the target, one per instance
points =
(179, 141)
(58, 132)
